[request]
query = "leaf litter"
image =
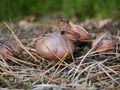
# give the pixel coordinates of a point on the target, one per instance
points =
(89, 69)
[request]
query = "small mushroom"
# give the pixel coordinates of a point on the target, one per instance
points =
(105, 45)
(4, 49)
(54, 46)
(10, 50)
(83, 34)
(15, 48)
(73, 31)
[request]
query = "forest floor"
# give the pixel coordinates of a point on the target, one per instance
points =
(98, 71)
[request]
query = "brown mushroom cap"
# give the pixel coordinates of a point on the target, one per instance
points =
(73, 32)
(54, 46)
(83, 34)
(12, 49)
(106, 45)
(15, 48)
(4, 49)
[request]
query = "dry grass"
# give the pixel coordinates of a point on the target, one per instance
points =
(90, 71)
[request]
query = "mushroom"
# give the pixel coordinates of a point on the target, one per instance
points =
(105, 45)
(73, 31)
(54, 46)
(10, 50)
